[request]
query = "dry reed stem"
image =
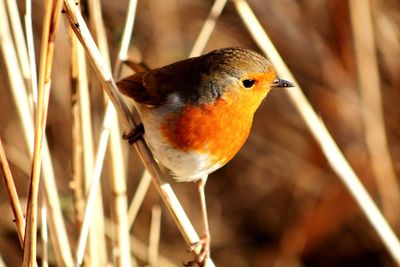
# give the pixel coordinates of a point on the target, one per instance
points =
(51, 19)
(97, 255)
(208, 28)
(119, 196)
(19, 38)
(85, 115)
(78, 24)
(77, 165)
(18, 89)
(126, 38)
(375, 133)
(14, 75)
(31, 51)
(12, 195)
(154, 237)
(138, 197)
(58, 233)
(92, 190)
(44, 233)
(386, 31)
(19, 219)
(128, 30)
(333, 154)
(118, 174)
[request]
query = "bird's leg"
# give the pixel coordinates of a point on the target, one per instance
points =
(204, 241)
(135, 134)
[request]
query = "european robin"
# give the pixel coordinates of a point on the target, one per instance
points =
(197, 113)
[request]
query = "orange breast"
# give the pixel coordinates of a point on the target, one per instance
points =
(219, 129)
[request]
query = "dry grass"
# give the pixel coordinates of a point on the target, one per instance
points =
(278, 203)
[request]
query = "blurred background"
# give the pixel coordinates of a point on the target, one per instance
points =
(278, 202)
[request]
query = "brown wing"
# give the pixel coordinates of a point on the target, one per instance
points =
(153, 87)
(133, 87)
(189, 79)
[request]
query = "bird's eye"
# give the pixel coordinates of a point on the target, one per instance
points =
(248, 83)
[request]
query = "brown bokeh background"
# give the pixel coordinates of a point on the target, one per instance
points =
(277, 203)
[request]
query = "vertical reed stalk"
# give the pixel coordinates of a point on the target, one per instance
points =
(138, 197)
(77, 146)
(126, 38)
(97, 248)
(31, 51)
(154, 237)
(208, 28)
(93, 187)
(117, 167)
(370, 88)
(19, 38)
(44, 232)
(51, 19)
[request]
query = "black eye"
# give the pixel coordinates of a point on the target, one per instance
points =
(248, 83)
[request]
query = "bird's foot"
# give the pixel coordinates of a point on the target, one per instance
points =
(202, 250)
(135, 134)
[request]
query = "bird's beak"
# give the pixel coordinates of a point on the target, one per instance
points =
(281, 83)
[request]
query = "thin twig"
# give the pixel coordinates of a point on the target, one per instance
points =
(370, 88)
(31, 50)
(138, 197)
(12, 194)
(97, 253)
(19, 38)
(333, 154)
(77, 159)
(79, 26)
(92, 192)
(15, 77)
(154, 237)
(44, 234)
(121, 242)
(126, 38)
(51, 19)
(208, 28)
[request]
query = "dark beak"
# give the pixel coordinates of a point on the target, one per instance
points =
(281, 83)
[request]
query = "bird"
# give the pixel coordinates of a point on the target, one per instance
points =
(197, 113)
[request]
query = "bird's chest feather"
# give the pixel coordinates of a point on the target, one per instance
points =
(218, 129)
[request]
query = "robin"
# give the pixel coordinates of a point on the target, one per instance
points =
(197, 113)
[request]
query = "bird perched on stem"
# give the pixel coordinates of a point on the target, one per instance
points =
(197, 113)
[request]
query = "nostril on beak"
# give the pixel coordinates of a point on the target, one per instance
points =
(281, 83)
